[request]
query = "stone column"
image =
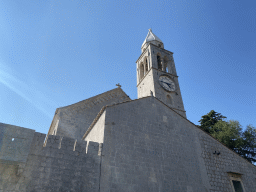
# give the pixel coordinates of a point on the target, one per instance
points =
(168, 65)
(163, 66)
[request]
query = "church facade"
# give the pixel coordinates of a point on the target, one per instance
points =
(110, 143)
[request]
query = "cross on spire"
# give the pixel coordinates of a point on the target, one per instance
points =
(118, 85)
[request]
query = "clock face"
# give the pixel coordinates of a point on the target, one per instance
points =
(166, 83)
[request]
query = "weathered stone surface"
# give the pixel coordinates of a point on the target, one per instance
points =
(148, 77)
(150, 147)
(15, 142)
(62, 165)
(73, 120)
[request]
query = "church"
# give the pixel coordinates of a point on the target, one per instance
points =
(110, 143)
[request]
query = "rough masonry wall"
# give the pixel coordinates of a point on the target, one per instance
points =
(15, 142)
(217, 166)
(146, 85)
(97, 133)
(176, 98)
(62, 165)
(154, 50)
(148, 147)
(74, 120)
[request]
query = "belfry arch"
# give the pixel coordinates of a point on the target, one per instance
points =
(166, 68)
(141, 71)
(146, 65)
(159, 64)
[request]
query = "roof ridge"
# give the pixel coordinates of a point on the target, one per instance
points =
(90, 98)
(205, 132)
(104, 108)
(101, 111)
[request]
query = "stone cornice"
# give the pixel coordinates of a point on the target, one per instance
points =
(157, 70)
(161, 48)
(144, 76)
(98, 98)
(142, 54)
(178, 109)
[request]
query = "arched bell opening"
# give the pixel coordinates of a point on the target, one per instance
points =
(141, 71)
(166, 68)
(159, 64)
(146, 65)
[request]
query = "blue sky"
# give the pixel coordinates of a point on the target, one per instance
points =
(56, 53)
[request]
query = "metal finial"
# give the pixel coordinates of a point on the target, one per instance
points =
(118, 85)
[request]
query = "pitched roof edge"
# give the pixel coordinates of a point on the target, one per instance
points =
(56, 111)
(100, 113)
(104, 108)
(151, 35)
(118, 88)
(205, 132)
(6, 124)
(94, 122)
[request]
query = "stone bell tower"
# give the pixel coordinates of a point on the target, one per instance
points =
(156, 74)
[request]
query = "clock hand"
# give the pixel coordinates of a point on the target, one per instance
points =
(169, 85)
(163, 82)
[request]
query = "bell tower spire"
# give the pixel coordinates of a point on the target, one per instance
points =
(156, 74)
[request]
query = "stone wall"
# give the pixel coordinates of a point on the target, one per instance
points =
(75, 119)
(62, 165)
(220, 160)
(146, 85)
(97, 134)
(149, 147)
(150, 80)
(15, 142)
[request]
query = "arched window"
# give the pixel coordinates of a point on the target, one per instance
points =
(169, 99)
(141, 71)
(146, 63)
(159, 62)
(165, 64)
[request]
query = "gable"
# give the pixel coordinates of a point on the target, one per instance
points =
(73, 120)
(164, 146)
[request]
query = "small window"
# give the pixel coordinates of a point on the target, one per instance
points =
(236, 182)
(159, 62)
(146, 65)
(159, 45)
(237, 186)
(141, 71)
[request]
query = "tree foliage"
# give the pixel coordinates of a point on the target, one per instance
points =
(231, 134)
(249, 146)
(209, 120)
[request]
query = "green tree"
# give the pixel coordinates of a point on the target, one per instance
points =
(231, 134)
(209, 120)
(249, 146)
